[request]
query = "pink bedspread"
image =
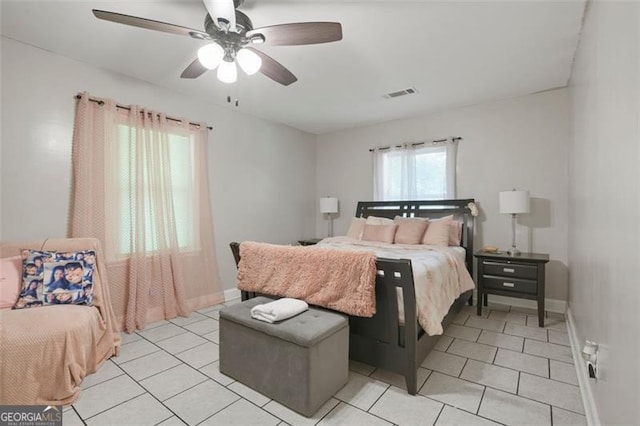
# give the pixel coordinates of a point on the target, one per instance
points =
(336, 280)
(439, 274)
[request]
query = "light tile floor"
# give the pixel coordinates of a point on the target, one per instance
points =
(496, 369)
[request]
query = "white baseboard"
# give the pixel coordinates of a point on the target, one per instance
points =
(590, 409)
(232, 293)
(551, 305)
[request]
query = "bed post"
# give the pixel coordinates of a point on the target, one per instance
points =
(235, 249)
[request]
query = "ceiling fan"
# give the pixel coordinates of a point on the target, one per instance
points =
(232, 36)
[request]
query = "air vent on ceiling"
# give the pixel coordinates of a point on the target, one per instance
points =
(409, 91)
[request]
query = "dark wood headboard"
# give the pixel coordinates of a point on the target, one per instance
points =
(431, 209)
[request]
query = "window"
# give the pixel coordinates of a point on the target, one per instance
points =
(171, 176)
(141, 187)
(414, 172)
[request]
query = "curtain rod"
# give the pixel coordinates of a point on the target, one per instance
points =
(100, 102)
(434, 142)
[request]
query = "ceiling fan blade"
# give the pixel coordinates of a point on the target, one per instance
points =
(274, 69)
(224, 9)
(194, 70)
(148, 24)
(299, 33)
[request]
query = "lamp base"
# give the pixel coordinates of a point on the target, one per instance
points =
(330, 230)
(513, 251)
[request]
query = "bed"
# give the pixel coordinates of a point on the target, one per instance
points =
(393, 339)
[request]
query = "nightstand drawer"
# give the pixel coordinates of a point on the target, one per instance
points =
(510, 284)
(510, 269)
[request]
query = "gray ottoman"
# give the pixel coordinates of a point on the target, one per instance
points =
(299, 362)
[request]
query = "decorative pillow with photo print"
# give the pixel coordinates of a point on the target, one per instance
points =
(54, 278)
(31, 292)
(68, 279)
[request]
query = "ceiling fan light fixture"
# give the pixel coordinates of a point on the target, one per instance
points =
(210, 55)
(249, 61)
(227, 72)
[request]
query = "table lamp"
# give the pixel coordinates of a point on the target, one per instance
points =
(329, 206)
(514, 202)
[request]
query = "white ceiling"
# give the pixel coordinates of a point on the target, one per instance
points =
(454, 53)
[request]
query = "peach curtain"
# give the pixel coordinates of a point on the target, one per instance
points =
(140, 185)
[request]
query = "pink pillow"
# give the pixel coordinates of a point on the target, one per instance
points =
(455, 233)
(10, 280)
(375, 220)
(381, 233)
(356, 228)
(438, 232)
(410, 229)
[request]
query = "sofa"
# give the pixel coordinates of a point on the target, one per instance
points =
(47, 351)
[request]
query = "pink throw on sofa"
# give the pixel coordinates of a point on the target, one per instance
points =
(47, 351)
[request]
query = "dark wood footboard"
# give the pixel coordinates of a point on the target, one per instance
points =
(393, 340)
(385, 340)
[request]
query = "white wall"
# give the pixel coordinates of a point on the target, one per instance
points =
(604, 258)
(262, 174)
(516, 143)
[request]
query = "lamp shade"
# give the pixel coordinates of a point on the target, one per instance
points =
(248, 61)
(210, 55)
(514, 202)
(227, 72)
(328, 205)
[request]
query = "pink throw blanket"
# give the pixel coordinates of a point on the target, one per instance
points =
(338, 280)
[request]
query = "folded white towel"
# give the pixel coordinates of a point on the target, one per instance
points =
(279, 310)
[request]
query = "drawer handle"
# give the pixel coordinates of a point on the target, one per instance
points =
(508, 284)
(509, 270)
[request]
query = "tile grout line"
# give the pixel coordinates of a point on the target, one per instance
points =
(439, 413)
(358, 408)
(481, 399)
(117, 405)
(106, 380)
(168, 353)
(77, 414)
(142, 386)
(237, 400)
(378, 398)
(339, 400)
(146, 391)
(138, 357)
(510, 393)
(521, 371)
(180, 326)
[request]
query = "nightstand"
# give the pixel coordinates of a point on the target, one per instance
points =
(519, 276)
(309, 241)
